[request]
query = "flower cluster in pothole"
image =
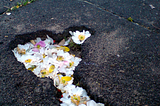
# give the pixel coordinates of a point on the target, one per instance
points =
(46, 59)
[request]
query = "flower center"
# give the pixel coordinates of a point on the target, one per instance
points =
(71, 64)
(44, 72)
(81, 37)
(38, 46)
(44, 55)
(60, 58)
(28, 60)
(32, 67)
(75, 99)
(21, 51)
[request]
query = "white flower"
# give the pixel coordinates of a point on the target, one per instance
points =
(38, 40)
(69, 87)
(75, 95)
(51, 52)
(52, 60)
(26, 46)
(37, 71)
(66, 101)
(61, 81)
(65, 55)
(78, 91)
(26, 59)
(82, 105)
(23, 49)
(79, 37)
(93, 103)
(48, 41)
(73, 62)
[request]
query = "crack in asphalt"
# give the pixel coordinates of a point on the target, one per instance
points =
(3, 10)
(99, 7)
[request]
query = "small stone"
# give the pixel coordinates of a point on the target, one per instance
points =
(8, 13)
(122, 71)
(152, 7)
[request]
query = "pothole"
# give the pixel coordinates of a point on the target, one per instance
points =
(55, 56)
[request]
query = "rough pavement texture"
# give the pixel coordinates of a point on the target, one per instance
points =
(21, 87)
(121, 66)
(143, 12)
(121, 60)
(7, 4)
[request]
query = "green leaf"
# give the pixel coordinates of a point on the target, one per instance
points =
(130, 19)
(25, 3)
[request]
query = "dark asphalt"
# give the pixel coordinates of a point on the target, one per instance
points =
(121, 61)
(146, 13)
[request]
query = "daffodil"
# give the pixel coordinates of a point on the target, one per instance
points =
(80, 37)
